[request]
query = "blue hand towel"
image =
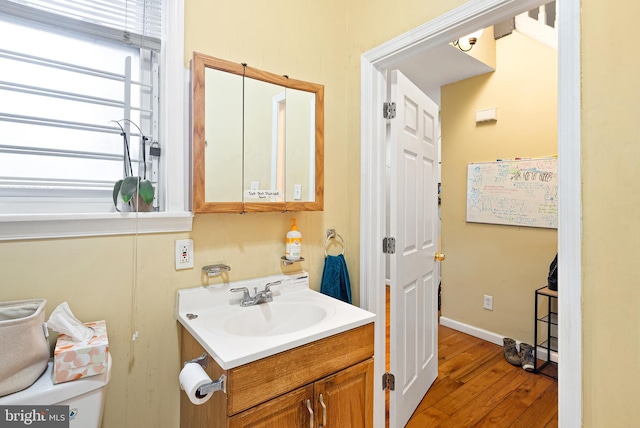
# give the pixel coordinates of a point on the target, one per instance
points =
(335, 278)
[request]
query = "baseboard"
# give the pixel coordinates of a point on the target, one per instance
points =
(489, 336)
(542, 355)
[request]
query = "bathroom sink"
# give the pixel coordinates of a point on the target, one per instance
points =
(234, 335)
(273, 318)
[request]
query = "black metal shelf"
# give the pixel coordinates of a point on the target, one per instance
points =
(548, 320)
(553, 316)
(553, 346)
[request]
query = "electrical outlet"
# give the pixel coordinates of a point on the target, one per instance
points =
(184, 253)
(488, 302)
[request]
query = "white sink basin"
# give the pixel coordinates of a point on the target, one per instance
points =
(235, 335)
(273, 318)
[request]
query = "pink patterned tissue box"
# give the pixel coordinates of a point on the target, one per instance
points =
(74, 360)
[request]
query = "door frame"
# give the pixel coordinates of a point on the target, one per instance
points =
(374, 63)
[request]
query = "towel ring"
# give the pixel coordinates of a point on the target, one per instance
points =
(331, 234)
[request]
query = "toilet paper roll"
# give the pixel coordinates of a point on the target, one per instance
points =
(192, 377)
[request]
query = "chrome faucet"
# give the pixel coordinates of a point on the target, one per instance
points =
(259, 297)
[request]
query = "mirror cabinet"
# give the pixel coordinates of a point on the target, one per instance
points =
(258, 140)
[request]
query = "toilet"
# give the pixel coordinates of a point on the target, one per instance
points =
(85, 396)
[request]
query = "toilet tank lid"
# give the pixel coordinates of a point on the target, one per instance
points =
(44, 392)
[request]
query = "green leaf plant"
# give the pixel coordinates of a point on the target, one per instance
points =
(126, 188)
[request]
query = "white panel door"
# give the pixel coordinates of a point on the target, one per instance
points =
(413, 222)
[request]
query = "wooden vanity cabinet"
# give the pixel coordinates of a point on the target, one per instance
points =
(347, 397)
(288, 410)
(276, 390)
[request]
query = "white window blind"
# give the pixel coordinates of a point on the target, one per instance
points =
(66, 94)
(136, 22)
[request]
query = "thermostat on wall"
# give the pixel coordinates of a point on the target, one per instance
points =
(487, 115)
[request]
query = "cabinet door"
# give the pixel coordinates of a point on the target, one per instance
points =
(347, 397)
(289, 410)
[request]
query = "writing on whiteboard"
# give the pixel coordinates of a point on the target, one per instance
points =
(517, 192)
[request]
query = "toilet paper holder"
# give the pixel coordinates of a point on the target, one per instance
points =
(216, 385)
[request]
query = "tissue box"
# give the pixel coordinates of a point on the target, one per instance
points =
(74, 360)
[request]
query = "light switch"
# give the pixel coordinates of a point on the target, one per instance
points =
(297, 192)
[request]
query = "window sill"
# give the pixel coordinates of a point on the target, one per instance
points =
(44, 226)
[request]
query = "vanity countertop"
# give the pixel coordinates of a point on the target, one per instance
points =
(235, 335)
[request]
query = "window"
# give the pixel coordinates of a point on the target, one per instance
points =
(72, 98)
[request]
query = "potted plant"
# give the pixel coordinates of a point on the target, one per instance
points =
(129, 186)
(135, 192)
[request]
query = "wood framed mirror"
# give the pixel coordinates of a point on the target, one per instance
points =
(258, 139)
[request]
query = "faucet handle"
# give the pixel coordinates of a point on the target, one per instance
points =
(246, 295)
(267, 293)
(267, 287)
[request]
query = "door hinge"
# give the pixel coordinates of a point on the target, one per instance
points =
(389, 245)
(389, 110)
(388, 381)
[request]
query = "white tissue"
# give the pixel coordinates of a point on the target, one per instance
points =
(63, 321)
(192, 377)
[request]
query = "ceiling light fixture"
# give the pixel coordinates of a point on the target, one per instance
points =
(467, 42)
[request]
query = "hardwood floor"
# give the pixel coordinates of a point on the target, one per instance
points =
(477, 387)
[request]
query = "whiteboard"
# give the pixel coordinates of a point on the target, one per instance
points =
(514, 192)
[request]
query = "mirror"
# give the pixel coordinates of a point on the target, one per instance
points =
(264, 141)
(223, 148)
(258, 139)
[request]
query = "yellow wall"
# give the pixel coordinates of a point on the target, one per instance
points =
(485, 48)
(322, 42)
(95, 275)
(307, 42)
(610, 148)
(506, 262)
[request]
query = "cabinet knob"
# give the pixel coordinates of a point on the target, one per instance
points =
(439, 257)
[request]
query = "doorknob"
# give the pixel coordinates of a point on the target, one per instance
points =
(439, 257)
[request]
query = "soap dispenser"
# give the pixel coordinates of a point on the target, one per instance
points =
(294, 242)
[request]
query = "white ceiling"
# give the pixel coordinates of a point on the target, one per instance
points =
(440, 66)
